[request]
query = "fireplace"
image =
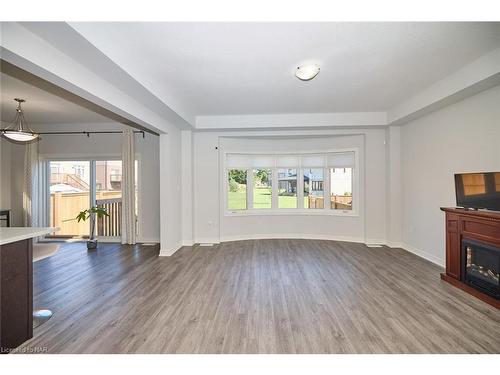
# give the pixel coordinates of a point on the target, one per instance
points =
(481, 266)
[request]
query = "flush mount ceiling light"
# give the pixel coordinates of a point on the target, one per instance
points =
(20, 130)
(306, 72)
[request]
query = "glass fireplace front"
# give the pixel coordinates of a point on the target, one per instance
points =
(481, 266)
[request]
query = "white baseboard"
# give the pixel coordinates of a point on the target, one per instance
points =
(171, 251)
(424, 254)
(214, 241)
(187, 243)
(375, 241)
(150, 240)
(394, 244)
(292, 236)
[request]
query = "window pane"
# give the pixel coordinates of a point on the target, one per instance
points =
(287, 188)
(341, 188)
(108, 182)
(237, 189)
(262, 190)
(69, 194)
(313, 188)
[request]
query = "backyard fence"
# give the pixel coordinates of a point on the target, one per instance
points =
(339, 202)
(65, 206)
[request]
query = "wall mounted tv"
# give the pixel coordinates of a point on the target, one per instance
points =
(478, 190)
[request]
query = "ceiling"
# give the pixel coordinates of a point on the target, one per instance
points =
(42, 106)
(45, 102)
(247, 68)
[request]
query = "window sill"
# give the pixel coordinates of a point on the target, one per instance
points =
(291, 212)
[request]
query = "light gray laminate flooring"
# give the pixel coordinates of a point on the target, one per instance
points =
(258, 296)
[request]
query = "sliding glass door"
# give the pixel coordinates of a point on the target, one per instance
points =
(77, 185)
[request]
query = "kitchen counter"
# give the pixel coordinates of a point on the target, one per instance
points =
(16, 284)
(13, 234)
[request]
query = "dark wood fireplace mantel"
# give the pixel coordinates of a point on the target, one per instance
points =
(483, 226)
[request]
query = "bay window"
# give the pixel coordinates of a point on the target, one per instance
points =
(301, 182)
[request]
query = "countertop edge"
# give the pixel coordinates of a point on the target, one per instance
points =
(18, 234)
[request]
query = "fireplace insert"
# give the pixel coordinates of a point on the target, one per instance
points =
(481, 266)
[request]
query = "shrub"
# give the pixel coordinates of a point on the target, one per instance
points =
(233, 186)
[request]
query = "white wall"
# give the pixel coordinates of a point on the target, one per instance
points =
(110, 145)
(187, 186)
(212, 226)
(394, 197)
(463, 137)
(171, 200)
(12, 176)
(5, 169)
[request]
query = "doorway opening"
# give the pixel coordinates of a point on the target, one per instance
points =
(75, 185)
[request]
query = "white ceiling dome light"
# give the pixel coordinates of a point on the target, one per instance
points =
(307, 72)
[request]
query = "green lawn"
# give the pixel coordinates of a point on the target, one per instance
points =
(237, 200)
(261, 199)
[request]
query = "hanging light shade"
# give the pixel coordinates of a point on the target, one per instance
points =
(20, 130)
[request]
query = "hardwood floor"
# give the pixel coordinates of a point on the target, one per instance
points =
(259, 296)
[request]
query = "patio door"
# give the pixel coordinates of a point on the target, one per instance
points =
(77, 185)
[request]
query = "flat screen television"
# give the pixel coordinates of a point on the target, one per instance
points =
(478, 190)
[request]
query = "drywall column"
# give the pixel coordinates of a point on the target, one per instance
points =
(394, 198)
(187, 186)
(170, 193)
(5, 178)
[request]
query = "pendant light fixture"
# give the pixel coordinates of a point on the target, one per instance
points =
(20, 130)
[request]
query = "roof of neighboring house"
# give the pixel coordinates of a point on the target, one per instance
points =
(64, 188)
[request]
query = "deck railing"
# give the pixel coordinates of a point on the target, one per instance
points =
(110, 225)
(65, 206)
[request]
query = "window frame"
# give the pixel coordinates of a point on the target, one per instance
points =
(300, 210)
